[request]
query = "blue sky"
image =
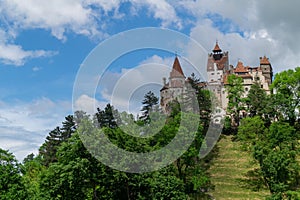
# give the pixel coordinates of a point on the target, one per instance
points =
(42, 47)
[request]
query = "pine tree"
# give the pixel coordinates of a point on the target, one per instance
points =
(149, 102)
(68, 127)
(109, 117)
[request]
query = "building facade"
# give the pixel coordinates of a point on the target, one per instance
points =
(218, 69)
(175, 88)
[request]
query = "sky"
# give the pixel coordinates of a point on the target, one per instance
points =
(43, 46)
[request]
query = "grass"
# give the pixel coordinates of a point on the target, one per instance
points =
(233, 173)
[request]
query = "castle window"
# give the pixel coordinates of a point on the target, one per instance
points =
(246, 89)
(212, 73)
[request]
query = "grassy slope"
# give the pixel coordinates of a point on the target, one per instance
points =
(229, 173)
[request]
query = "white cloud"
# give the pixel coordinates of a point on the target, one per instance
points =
(35, 69)
(56, 15)
(162, 10)
(16, 55)
(88, 104)
(262, 29)
(25, 125)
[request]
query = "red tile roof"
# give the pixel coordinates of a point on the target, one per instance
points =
(217, 48)
(176, 70)
(240, 68)
(264, 60)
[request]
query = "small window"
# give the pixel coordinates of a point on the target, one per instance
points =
(212, 73)
(261, 86)
(246, 89)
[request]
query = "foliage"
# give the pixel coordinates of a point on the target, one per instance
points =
(276, 153)
(11, 183)
(149, 103)
(204, 100)
(107, 117)
(256, 100)
(48, 150)
(235, 92)
(251, 129)
(286, 88)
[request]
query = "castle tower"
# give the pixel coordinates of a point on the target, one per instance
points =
(217, 66)
(177, 77)
(266, 68)
(175, 88)
(217, 59)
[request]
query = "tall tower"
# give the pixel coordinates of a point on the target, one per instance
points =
(266, 68)
(177, 77)
(175, 88)
(217, 66)
(217, 59)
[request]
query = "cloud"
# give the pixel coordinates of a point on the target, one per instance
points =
(260, 28)
(125, 90)
(25, 125)
(15, 55)
(160, 9)
(88, 104)
(56, 16)
(84, 17)
(35, 69)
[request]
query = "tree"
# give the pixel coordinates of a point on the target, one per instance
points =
(276, 153)
(11, 182)
(250, 130)
(76, 174)
(109, 117)
(204, 101)
(235, 92)
(68, 128)
(150, 100)
(49, 148)
(286, 87)
(256, 100)
(32, 168)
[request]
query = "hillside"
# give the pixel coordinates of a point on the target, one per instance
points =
(230, 173)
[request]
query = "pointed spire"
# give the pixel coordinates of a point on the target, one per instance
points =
(176, 70)
(217, 48)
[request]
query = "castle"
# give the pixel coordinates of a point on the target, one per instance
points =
(218, 69)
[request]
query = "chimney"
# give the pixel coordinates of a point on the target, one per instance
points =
(164, 80)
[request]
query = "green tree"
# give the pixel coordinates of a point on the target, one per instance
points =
(68, 128)
(204, 101)
(276, 153)
(149, 103)
(235, 92)
(32, 168)
(49, 148)
(11, 182)
(251, 129)
(256, 100)
(109, 117)
(286, 88)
